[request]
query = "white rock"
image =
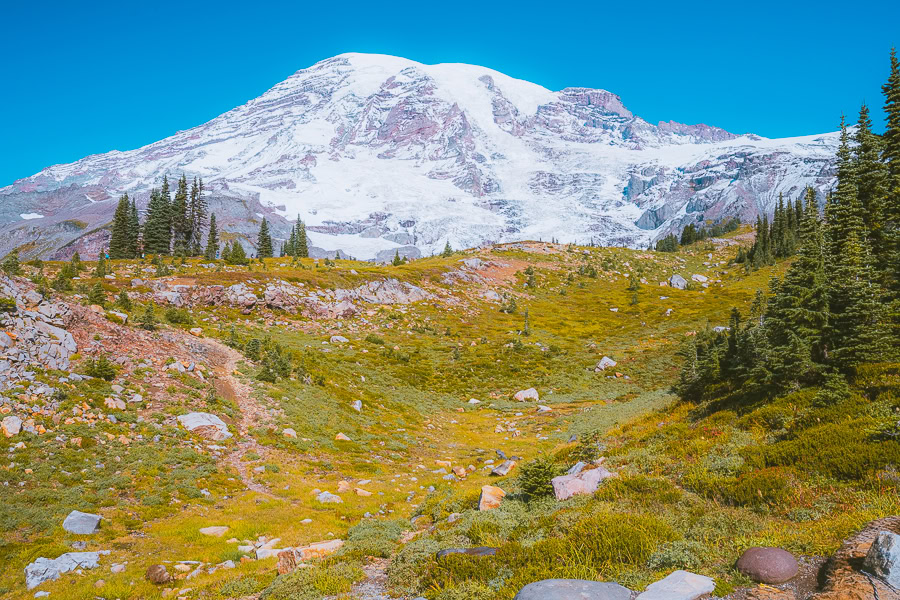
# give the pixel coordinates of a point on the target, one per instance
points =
(529, 394)
(680, 585)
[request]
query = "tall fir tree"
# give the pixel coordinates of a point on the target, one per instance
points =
(302, 244)
(134, 231)
(842, 210)
(119, 239)
(197, 214)
(797, 311)
(212, 239)
(264, 241)
(181, 223)
(891, 210)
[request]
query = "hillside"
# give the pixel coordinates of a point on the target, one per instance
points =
(379, 154)
(393, 389)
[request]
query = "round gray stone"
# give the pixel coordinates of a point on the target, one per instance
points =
(573, 589)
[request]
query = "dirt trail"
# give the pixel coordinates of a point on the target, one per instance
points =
(223, 361)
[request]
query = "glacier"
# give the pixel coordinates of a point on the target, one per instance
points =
(380, 154)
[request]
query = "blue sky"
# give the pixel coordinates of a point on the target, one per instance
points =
(84, 78)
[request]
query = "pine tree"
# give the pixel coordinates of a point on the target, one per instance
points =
(157, 226)
(448, 251)
(891, 157)
(119, 246)
(302, 247)
(842, 210)
(797, 311)
(264, 241)
(197, 216)
(181, 222)
(100, 271)
(134, 231)
(212, 239)
(97, 295)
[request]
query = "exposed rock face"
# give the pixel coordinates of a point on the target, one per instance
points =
(414, 154)
(842, 575)
(583, 482)
(81, 523)
(205, 425)
(45, 569)
(573, 589)
(680, 585)
(768, 565)
(883, 558)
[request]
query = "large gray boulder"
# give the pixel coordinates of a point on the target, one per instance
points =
(677, 281)
(573, 589)
(205, 425)
(883, 558)
(583, 482)
(680, 585)
(45, 569)
(81, 523)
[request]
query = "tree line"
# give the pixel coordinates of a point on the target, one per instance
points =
(838, 304)
(691, 233)
(176, 226)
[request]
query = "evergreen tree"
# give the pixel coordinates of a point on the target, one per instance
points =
(302, 243)
(134, 231)
(100, 271)
(124, 300)
(97, 295)
(119, 246)
(181, 222)
(448, 251)
(842, 210)
(397, 260)
(264, 241)
(797, 311)
(157, 228)
(212, 239)
(197, 216)
(11, 263)
(891, 210)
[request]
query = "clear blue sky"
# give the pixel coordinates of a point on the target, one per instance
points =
(81, 78)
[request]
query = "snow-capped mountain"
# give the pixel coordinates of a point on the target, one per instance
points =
(379, 154)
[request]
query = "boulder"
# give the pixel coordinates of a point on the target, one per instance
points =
(479, 551)
(767, 565)
(338, 339)
(205, 425)
(288, 432)
(157, 574)
(573, 589)
(81, 523)
(503, 469)
(11, 425)
(356, 405)
(605, 363)
(584, 482)
(45, 569)
(883, 558)
(196, 331)
(215, 530)
(677, 281)
(328, 498)
(680, 585)
(490, 497)
(529, 394)
(319, 549)
(699, 278)
(341, 437)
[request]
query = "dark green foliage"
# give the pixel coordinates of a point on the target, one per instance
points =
(100, 368)
(667, 244)
(212, 240)
(148, 320)
(158, 225)
(397, 260)
(234, 254)
(100, 271)
(97, 295)
(448, 251)
(123, 300)
(264, 241)
(8, 305)
(178, 316)
(11, 264)
(119, 241)
(535, 475)
(197, 212)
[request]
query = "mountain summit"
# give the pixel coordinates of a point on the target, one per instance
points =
(379, 154)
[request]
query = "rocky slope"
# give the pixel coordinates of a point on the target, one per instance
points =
(380, 154)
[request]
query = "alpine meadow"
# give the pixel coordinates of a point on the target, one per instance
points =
(407, 331)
